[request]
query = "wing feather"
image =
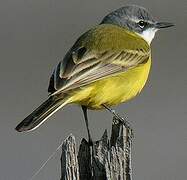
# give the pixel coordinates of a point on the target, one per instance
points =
(93, 69)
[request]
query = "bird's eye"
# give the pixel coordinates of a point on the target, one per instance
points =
(142, 24)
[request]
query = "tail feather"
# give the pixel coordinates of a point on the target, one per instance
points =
(38, 116)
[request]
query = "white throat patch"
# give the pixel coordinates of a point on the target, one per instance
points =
(148, 35)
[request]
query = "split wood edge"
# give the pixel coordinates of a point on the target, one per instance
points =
(107, 159)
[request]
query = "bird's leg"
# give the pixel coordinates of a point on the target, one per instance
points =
(119, 118)
(84, 108)
(90, 142)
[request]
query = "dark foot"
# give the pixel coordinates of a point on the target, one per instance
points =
(126, 124)
(90, 142)
(121, 120)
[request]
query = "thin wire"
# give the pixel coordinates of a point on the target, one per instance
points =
(43, 165)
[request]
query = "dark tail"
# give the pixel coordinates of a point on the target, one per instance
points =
(38, 116)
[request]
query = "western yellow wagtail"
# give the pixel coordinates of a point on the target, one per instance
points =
(108, 65)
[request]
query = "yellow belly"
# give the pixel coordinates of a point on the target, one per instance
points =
(113, 90)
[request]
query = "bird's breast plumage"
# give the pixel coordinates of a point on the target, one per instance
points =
(113, 90)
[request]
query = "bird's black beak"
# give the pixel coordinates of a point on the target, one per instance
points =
(160, 25)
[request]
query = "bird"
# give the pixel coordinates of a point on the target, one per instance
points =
(107, 65)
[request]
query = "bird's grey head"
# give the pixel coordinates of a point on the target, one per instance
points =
(137, 19)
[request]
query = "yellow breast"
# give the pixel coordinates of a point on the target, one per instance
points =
(113, 90)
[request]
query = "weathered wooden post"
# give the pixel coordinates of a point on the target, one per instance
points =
(108, 159)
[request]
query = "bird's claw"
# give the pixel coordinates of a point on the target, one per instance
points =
(127, 125)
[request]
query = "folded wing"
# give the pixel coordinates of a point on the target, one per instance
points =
(83, 65)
